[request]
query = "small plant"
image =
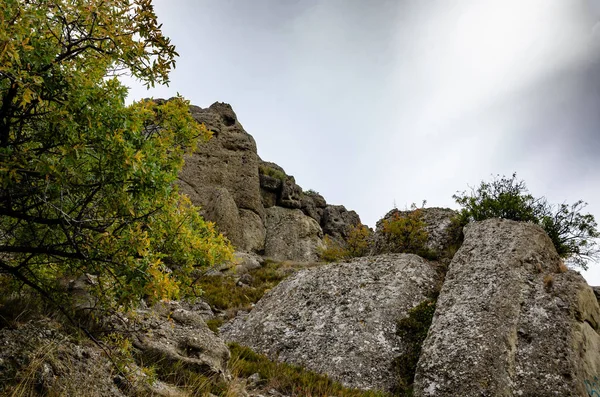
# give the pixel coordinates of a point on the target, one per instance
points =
(312, 192)
(548, 282)
(562, 268)
(358, 240)
(272, 172)
(333, 250)
(407, 231)
(413, 331)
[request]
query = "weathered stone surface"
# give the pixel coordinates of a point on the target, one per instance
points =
(508, 323)
(227, 162)
(291, 235)
(339, 319)
(317, 199)
(46, 361)
(245, 262)
(438, 227)
(220, 208)
(337, 221)
(291, 194)
(187, 339)
(309, 207)
(270, 183)
(253, 231)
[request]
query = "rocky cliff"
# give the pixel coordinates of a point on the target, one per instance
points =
(255, 203)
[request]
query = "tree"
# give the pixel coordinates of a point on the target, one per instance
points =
(573, 233)
(87, 184)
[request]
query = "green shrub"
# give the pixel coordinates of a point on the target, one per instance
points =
(413, 331)
(573, 233)
(407, 232)
(333, 250)
(311, 192)
(358, 240)
(222, 292)
(266, 170)
(356, 244)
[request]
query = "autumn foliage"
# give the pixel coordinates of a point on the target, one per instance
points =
(87, 184)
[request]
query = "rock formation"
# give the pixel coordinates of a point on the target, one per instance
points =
(236, 190)
(508, 322)
(340, 319)
(439, 228)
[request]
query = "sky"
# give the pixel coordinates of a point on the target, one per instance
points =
(380, 103)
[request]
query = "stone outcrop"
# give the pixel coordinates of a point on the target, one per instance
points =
(339, 319)
(233, 187)
(508, 322)
(291, 235)
(176, 333)
(337, 221)
(223, 172)
(439, 228)
(40, 358)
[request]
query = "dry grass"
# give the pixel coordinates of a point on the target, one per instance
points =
(222, 292)
(288, 379)
(548, 282)
(562, 268)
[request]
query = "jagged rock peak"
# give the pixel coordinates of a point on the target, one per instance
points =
(234, 189)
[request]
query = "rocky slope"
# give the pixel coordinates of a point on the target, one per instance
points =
(255, 203)
(511, 320)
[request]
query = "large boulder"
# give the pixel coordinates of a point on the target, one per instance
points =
(291, 235)
(439, 226)
(508, 322)
(339, 319)
(175, 333)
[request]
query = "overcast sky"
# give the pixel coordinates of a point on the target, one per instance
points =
(374, 103)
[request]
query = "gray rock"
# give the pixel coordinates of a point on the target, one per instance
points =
(218, 206)
(438, 227)
(186, 340)
(309, 207)
(291, 194)
(317, 199)
(227, 162)
(253, 231)
(270, 183)
(291, 235)
(508, 323)
(339, 319)
(337, 221)
(245, 262)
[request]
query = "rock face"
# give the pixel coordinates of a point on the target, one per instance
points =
(292, 235)
(438, 227)
(233, 187)
(339, 319)
(337, 220)
(226, 163)
(186, 339)
(508, 323)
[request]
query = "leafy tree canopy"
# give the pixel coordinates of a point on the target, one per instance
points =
(87, 183)
(573, 233)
